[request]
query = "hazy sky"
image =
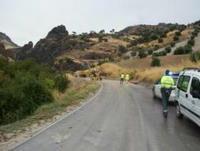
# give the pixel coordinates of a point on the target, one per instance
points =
(30, 20)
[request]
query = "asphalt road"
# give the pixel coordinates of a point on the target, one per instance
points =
(119, 119)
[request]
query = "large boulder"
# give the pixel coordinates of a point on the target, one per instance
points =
(58, 32)
(28, 46)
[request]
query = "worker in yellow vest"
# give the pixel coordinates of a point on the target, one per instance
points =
(127, 78)
(167, 84)
(122, 76)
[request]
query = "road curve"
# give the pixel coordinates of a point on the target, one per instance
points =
(120, 118)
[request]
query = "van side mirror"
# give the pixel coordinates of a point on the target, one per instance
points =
(195, 94)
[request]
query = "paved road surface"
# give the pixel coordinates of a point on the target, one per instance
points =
(119, 119)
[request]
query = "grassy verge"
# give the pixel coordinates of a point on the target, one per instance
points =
(149, 76)
(72, 96)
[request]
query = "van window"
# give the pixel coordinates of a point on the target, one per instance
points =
(180, 81)
(183, 83)
(195, 86)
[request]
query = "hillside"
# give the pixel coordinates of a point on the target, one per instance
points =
(72, 52)
(7, 42)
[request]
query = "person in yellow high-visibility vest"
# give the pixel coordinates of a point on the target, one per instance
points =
(127, 78)
(167, 83)
(122, 76)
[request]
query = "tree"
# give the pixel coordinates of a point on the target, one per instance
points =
(178, 33)
(100, 38)
(122, 49)
(102, 31)
(156, 47)
(133, 42)
(191, 42)
(112, 31)
(195, 56)
(183, 50)
(168, 49)
(150, 52)
(155, 62)
(176, 38)
(126, 57)
(61, 83)
(142, 54)
(133, 53)
(153, 37)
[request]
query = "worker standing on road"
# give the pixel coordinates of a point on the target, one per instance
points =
(167, 84)
(122, 76)
(127, 78)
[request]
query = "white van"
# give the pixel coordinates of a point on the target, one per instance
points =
(188, 95)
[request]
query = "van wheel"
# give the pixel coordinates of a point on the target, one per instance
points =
(179, 115)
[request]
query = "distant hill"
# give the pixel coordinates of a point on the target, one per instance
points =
(8, 43)
(72, 52)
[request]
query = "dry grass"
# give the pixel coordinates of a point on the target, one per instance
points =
(145, 73)
(154, 73)
(112, 70)
(146, 62)
(166, 41)
(141, 67)
(141, 70)
(117, 41)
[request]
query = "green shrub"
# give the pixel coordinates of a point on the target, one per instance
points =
(156, 47)
(24, 86)
(61, 83)
(133, 42)
(183, 50)
(122, 49)
(150, 52)
(178, 33)
(191, 42)
(126, 57)
(168, 49)
(155, 62)
(153, 37)
(195, 33)
(100, 38)
(176, 38)
(179, 51)
(160, 53)
(195, 56)
(21, 96)
(142, 54)
(133, 53)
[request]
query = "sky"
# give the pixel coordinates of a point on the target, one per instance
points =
(31, 20)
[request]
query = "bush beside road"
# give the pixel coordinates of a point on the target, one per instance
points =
(48, 113)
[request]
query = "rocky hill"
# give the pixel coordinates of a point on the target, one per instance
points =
(7, 42)
(72, 52)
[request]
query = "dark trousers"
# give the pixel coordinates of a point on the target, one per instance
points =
(121, 80)
(166, 92)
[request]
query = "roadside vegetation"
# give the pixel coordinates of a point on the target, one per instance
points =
(72, 96)
(24, 86)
